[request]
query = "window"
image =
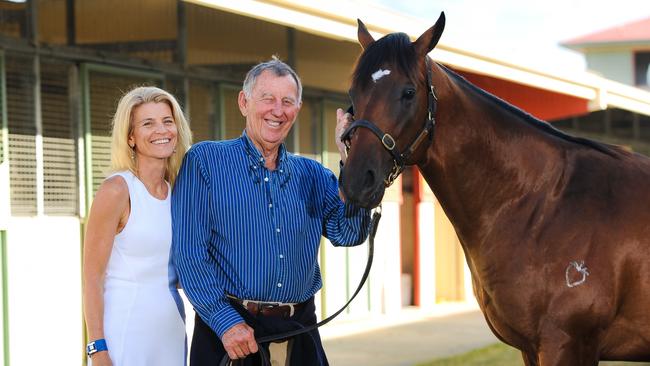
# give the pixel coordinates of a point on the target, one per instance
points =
(201, 111)
(233, 120)
(13, 19)
(642, 69)
(308, 129)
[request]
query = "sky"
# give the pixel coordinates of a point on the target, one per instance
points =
(525, 32)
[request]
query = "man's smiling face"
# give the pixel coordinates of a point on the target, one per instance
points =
(270, 110)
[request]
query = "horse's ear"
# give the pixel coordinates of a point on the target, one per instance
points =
(364, 36)
(429, 39)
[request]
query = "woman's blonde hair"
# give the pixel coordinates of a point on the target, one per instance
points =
(123, 126)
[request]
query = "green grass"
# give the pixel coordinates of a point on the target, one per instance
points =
(499, 355)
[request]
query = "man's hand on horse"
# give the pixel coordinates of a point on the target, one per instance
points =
(239, 341)
(343, 120)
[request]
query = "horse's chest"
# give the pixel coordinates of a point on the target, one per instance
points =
(507, 314)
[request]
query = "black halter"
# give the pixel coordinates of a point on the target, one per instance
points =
(399, 159)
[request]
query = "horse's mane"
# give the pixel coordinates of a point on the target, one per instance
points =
(544, 126)
(395, 49)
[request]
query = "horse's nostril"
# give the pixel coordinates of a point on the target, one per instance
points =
(369, 179)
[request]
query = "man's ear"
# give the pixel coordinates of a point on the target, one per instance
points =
(242, 102)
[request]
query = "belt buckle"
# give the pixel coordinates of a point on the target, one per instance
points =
(268, 305)
(292, 310)
(272, 305)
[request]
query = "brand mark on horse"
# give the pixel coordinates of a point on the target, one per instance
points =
(578, 267)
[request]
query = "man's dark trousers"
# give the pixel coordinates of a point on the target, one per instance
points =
(305, 349)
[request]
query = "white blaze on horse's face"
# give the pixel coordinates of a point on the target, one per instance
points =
(379, 74)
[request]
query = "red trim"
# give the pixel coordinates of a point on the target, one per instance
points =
(543, 104)
(416, 237)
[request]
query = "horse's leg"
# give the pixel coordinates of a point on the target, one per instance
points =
(572, 352)
(529, 360)
(567, 358)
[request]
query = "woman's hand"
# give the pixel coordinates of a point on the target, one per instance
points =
(101, 359)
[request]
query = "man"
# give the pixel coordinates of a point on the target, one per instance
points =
(247, 222)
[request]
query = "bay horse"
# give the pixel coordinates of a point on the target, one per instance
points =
(555, 228)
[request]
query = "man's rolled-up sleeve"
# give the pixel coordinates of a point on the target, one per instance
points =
(192, 229)
(344, 223)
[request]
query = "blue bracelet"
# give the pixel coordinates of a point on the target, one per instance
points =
(96, 346)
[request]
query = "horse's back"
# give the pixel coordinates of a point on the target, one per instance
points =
(610, 187)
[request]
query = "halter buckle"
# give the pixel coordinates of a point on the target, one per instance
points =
(388, 141)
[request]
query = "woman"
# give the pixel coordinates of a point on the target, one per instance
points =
(133, 311)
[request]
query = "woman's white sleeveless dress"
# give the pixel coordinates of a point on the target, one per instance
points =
(144, 318)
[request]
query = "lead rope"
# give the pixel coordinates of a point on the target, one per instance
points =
(265, 357)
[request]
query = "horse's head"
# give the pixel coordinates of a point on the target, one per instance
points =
(393, 106)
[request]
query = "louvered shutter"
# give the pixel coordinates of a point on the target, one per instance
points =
(61, 191)
(3, 127)
(22, 131)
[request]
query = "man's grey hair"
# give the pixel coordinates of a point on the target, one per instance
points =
(274, 65)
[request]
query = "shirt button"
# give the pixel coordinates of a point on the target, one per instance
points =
(266, 179)
(270, 205)
(277, 230)
(281, 171)
(281, 256)
(279, 284)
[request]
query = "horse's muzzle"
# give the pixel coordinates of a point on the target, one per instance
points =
(363, 189)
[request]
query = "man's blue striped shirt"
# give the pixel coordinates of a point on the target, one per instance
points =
(244, 230)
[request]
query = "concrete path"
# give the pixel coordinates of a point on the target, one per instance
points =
(382, 341)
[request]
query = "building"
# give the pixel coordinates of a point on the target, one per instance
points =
(620, 53)
(64, 63)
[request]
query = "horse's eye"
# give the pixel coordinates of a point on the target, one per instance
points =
(408, 94)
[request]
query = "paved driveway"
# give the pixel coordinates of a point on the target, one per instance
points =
(405, 345)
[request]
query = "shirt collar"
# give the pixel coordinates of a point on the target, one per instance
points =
(256, 155)
(257, 160)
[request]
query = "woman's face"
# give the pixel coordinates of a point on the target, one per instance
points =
(154, 132)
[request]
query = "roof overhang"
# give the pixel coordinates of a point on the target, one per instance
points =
(336, 20)
(607, 46)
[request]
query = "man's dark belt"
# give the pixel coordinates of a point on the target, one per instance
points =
(277, 309)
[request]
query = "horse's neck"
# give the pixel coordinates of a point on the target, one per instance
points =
(484, 160)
